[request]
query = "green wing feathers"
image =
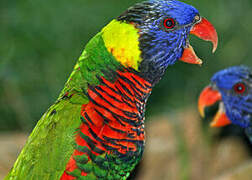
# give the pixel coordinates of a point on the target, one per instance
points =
(50, 145)
(48, 149)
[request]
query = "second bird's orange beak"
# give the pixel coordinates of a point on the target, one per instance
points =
(209, 97)
(203, 30)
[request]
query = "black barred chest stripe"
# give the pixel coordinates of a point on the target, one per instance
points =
(129, 114)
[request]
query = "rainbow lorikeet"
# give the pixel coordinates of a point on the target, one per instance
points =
(95, 129)
(231, 89)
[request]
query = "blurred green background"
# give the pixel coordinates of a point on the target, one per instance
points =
(40, 41)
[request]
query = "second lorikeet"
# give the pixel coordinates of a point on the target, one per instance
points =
(231, 88)
(95, 129)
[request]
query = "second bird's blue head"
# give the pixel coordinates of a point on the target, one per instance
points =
(232, 89)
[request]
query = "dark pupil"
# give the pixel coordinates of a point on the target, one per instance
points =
(169, 23)
(239, 88)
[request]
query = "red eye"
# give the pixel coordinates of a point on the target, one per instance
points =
(169, 23)
(239, 88)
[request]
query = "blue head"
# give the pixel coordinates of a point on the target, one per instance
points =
(164, 26)
(235, 87)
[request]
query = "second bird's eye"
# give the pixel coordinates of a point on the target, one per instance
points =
(239, 88)
(169, 23)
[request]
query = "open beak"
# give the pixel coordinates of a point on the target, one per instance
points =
(210, 97)
(203, 30)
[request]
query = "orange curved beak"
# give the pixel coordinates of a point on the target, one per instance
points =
(209, 97)
(205, 31)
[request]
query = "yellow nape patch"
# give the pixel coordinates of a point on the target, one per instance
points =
(121, 39)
